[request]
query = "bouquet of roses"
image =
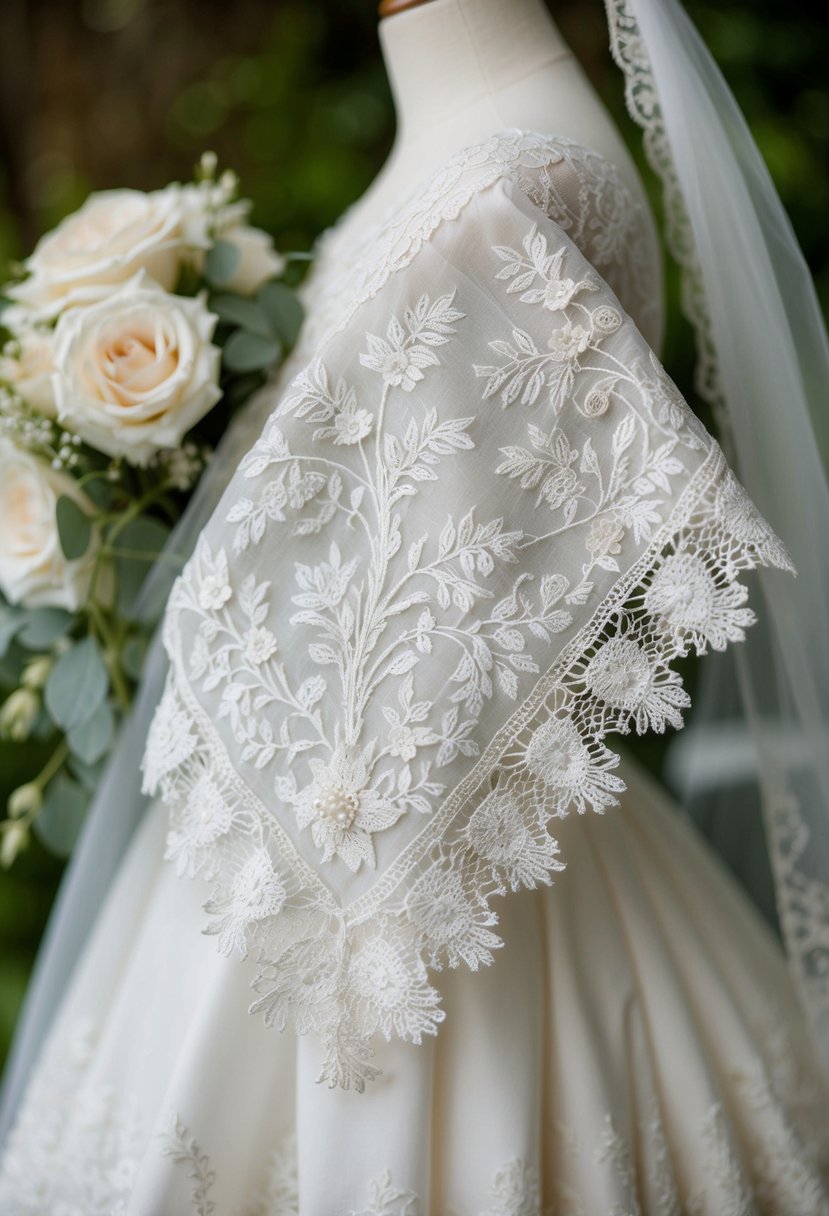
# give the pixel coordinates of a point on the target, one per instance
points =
(131, 334)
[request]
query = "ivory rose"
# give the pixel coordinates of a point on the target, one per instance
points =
(30, 372)
(258, 261)
(33, 569)
(114, 234)
(136, 371)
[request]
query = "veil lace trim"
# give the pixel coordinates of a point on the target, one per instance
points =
(642, 99)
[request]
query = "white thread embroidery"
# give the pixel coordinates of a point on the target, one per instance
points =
(414, 692)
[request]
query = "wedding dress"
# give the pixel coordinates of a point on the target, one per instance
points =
(550, 528)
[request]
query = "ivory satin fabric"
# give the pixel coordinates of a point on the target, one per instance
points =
(634, 1048)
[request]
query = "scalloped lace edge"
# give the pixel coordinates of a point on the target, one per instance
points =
(347, 973)
(642, 100)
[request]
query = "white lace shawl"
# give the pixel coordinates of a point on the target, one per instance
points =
(473, 537)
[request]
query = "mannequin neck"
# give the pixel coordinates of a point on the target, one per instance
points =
(447, 56)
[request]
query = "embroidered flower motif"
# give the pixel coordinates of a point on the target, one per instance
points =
(624, 676)
(557, 290)
(558, 293)
(391, 984)
(579, 777)
(513, 840)
(559, 486)
(568, 342)
(323, 586)
(605, 538)
(595, 403)
(384, 1199)
(260, 645)
(350, 426)
(516, 1190)
(342, 810)
(405, 736)
(400, 360)
(402, 742)
(256, 893)
(303, 979)
(203, 816)
(170, 739)
(605, 319)
(214, 585)
(746, 524)
(668, 404)
(685, 593)
(399, 367)
(451, 924)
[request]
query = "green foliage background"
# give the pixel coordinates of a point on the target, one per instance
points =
(294, 96)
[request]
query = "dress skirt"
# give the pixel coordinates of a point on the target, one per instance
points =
(636, 1049)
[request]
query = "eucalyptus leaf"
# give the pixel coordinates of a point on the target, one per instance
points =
(90, 740)
(43, 626)
(136, 548)
(74, 528)
(88, 775)
(244, 313)
(133, 654)
(77, 684)
(10, 625)
(64, 809)
(222, 262)
(246, 352)
(283, 309)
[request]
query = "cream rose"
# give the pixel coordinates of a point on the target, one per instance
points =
(33, 569)
(137, 370)
(113, 235)
(30, 372)
(258, 261)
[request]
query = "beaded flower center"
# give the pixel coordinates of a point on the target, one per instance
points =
(336, 804)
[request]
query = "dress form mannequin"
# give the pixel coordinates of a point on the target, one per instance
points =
(463, 69)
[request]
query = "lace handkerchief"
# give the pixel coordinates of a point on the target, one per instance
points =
(471, 540)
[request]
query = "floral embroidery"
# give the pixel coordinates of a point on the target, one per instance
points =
(76, 1146)
(79, 1144)
(430, 683)
(341, 809)
(516, 1190)
(686, 594)
(386, 1200)
(518, 846)
(625, 677)
(559, 757)
(409, 348)
(185, 1150)
(257, 893)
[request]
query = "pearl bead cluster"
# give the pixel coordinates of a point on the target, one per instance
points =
(337, 805)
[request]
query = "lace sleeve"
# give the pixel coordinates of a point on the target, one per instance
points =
(469, 544)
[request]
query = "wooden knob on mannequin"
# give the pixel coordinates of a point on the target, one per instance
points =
(388, 8)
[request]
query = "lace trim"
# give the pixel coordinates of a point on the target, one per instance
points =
(349, 972)
(642, 99)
